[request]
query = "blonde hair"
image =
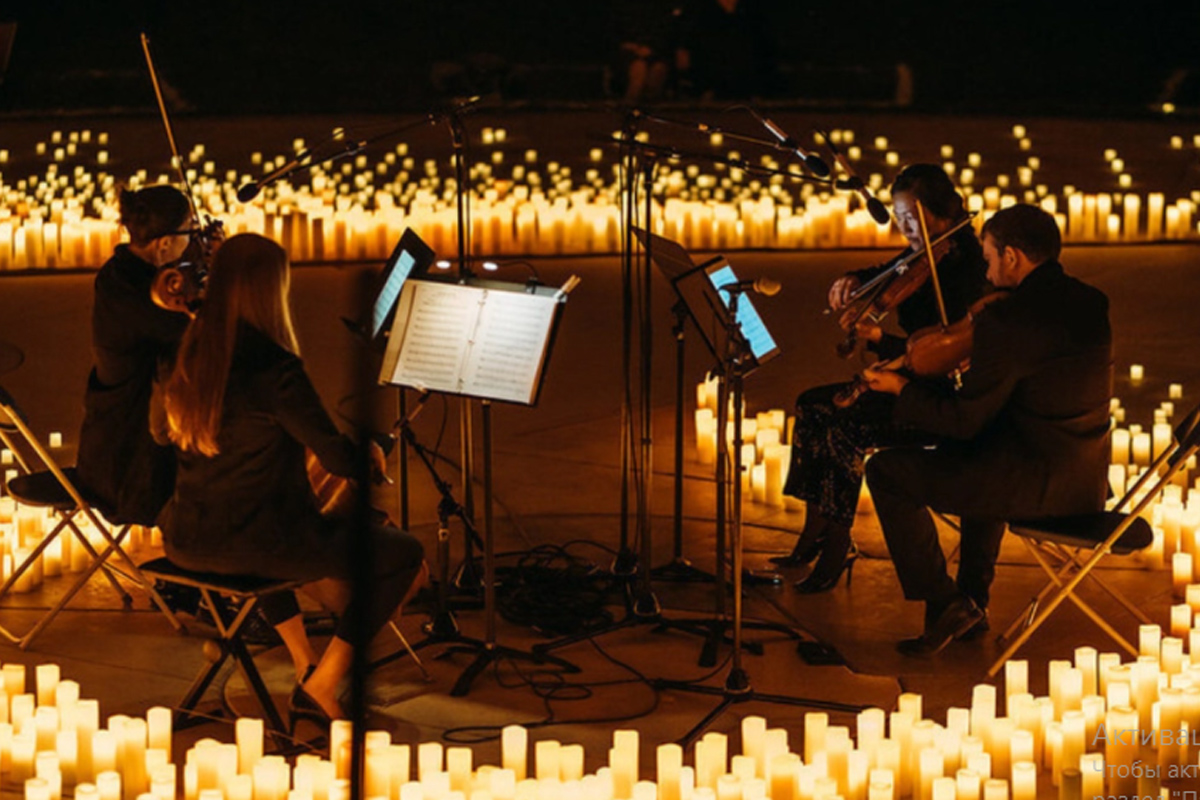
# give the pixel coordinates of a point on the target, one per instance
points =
(248, 283)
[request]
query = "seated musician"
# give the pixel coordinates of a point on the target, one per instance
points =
(118, 461)
(241, 410)
(828, 443)
(1026, 437)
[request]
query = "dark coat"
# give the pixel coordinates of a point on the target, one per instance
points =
(963, 276)
(1029, 428)
(253, 498)
(119, 463)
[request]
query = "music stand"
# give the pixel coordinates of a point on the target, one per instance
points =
(735, 331)
(486, 340)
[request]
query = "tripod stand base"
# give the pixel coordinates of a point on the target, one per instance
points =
(680, 570)
(487, 654)
(737, 689)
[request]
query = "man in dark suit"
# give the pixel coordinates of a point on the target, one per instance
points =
(1025, 437)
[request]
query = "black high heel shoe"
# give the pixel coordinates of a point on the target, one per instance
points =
(805, 552)
(822, 579)
(801, 555)
(301, 706)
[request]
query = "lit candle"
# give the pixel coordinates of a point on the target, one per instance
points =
(1137, 373)
(1141, 449)
(670, 767)
(514, 748)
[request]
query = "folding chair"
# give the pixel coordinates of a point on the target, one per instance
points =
(242, 594)
(59, 489)
(1060, 545)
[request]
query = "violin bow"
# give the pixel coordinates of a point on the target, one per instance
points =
(933, 271)
(162, 108)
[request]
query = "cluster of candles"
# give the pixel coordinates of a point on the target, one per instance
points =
(765, 453)
(67, 216)
(23, 560)
(1104, 727)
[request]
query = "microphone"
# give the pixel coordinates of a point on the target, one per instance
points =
(249, 191)
(767, 287)
(853, 183)
(814, 163)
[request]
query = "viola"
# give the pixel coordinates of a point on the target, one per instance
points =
(935, 351)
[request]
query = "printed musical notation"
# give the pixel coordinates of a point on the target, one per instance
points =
(470, 340)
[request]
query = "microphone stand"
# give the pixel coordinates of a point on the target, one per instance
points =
(468, 579)
(704, 127)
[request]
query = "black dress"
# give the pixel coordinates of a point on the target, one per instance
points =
(119, 464)
(1026, 437)
(828, 443)
(249, 510)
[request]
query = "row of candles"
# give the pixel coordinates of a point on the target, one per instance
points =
(1104, 727)
(356, 211)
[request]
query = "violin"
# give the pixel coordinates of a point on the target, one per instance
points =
(935, 351)
(179, 286)
(899, 280)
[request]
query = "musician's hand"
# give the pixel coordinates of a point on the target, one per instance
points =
(884, 380)
(868, 331)
(378, 464)
(840, 291)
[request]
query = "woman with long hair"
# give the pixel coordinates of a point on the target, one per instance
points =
(829, 443)
(240, 410)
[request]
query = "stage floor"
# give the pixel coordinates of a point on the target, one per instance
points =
(557, 481)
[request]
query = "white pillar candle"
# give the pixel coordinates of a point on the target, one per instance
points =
(729, 787)
(900, 727)
(162, 782)
(1091, 769)
(968, 785)
(1074, 725)
(108, 785)
(37, 789)
(623, 760)
(1120, 446)
(14, 679)
(458, 764)
(837, 753)
(1181, 576)
(871, 727)
(711, 759)
(785, 776)
(981, 763)
(983, 711)
(133, 758)
(1141, 449)
(46, 677)
(1016, 679)
(429, 760)
(514, 748)
(1172, 655)
(1024, 780)
(1121, 749)
(943, 789)
(815, 725)
(669, 768)
(87, 791)
(1145, 688)
(995, 789)
(1161, 438)
(248, 731)
(929, 768)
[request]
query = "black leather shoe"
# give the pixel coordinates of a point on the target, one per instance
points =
(977, 631)
(959, 617)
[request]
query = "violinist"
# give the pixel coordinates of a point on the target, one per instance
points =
(1025, 437)
(123, 470)
(829, 442)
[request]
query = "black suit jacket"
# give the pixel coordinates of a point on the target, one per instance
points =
(119, 462)
(253, 498)
(1030, 424)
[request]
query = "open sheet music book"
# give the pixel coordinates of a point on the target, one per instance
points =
(487, 341)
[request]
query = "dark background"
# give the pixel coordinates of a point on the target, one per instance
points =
(230, 57)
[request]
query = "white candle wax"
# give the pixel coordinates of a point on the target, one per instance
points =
(514, 747)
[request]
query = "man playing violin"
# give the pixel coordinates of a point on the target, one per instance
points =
(1025, 437)
(120, 465)
(829, 442)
